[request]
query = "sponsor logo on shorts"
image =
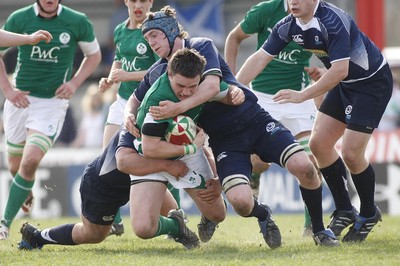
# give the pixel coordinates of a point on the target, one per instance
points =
(348, 110)
(221, 156)
(108, 218)
(271, 127)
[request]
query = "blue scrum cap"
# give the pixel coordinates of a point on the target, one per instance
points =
(163, 22)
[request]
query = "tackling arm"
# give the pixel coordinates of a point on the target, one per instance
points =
(253, 66)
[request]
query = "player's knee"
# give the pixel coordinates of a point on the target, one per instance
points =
(145, 230)
(315, 147)
(241, 199)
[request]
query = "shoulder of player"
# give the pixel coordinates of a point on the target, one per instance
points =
(73, 15)
(199, 43)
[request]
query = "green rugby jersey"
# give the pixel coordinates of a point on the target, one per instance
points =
(134, 54)
(286, 70)
(42, 68)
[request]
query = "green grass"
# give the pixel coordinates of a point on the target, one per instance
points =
(237, 241)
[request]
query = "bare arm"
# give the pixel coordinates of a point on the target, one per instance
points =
(207, 90)
(253, 66)
(14, 39)
(130, 115)
(14, 95)
(334, 75)
(233, 41)
(130, 162)
(106, 83)
(87, 67)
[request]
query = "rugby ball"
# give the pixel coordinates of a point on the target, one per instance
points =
(181, 131)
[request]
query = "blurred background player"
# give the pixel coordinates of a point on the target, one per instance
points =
(90, 131)
(43, 85)
(133, 56)
(288, 70)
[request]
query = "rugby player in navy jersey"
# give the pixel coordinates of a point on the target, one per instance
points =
(235, 132)
(359, 85)
(105, 187)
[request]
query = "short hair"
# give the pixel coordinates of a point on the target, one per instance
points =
(187, 62)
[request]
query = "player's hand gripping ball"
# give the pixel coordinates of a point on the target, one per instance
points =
(181, 131)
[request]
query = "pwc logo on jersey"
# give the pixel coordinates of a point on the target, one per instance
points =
(40, 54)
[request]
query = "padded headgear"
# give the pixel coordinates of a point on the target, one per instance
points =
(165, 23)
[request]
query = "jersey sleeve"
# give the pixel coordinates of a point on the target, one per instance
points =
(257, 18)
(279, 37)
(154, 128)
(339, 40)
(154, 72)
(125, 139)
(207, 49)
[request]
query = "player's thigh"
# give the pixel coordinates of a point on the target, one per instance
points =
(146, 199)
(326, 132)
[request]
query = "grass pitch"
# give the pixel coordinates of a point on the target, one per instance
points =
(237, 241)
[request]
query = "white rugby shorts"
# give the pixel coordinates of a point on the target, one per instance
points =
(297, 117)
(116, 111)
(44, 115)
(199, 172)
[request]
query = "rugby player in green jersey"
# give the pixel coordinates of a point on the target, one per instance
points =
(38, 96)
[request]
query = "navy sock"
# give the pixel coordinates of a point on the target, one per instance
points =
(313, 200)
(258, 211)
(336, 178)
(60, 235)
(365, 185)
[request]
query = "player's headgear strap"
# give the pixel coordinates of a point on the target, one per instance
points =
(165, 23)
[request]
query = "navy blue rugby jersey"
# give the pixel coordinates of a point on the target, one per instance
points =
(215, 117)
(332, 35)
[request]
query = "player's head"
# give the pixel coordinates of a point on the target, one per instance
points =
(185, 69)
(48, 8)
(303, 9)
(138, 9)
(164, 21)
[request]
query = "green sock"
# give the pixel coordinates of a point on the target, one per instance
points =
(167, 226)
(118, 218)
(19, 190)
(175, 194)
(307, 218)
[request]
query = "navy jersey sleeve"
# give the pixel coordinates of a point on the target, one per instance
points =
(125, 139)
(154, 72)
(207, 49)
(279, 37)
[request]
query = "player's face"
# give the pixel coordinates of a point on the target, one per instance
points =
(158, 42)
(303, 9)
(182, 86)
(138, 9)
(48, 8)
